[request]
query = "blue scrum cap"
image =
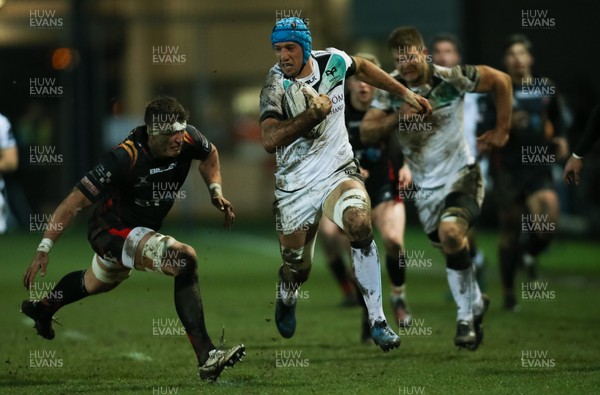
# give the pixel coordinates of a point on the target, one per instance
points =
(295, 30)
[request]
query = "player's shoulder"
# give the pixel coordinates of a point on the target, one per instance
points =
(195, 138)
(455, 72)
(128, 152)
(329, 52)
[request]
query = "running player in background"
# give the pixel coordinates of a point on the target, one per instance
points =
(316, 171)
(9, 161)
(135, 185)
(444, 171)
(446, 50)
(522, 170)
(382, 177)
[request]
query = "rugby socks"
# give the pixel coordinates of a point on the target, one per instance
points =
(508, 268)
(464, 288)
(188, 304)
(396, 268)
(288, 289)
(341, 275)
(537, 243)
(367, 272)
(69, 289)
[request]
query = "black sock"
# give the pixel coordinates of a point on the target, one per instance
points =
(396, 268)
(339, 269)
(188, 304)
(69, 289)
(537, 244)
(508, 267)
(460, 260)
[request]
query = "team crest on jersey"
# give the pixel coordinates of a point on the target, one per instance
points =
(335, 72)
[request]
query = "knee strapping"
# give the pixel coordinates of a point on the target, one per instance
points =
(351, 198)
(157, 249)
(298, 259)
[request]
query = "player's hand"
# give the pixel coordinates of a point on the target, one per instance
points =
(40, 261)
(572, 171)
(321, 105)
(419, 103)
(495, 138)
(404, 177)
(223, 205)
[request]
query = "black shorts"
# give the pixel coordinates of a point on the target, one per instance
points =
(108, 242)
(382, 193)
(513, 187)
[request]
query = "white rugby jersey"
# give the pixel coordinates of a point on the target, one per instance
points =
(308, 160)
(435, 148)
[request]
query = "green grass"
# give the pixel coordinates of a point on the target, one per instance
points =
(101, 335)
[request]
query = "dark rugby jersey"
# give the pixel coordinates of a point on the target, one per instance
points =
(372, 158)
(536, 118)
(134, 188)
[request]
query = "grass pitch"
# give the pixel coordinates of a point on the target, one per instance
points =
(129, 340)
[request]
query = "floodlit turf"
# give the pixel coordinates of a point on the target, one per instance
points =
(125, 341)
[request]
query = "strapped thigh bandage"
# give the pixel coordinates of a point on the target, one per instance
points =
(108, 276)
(351, 198)
(154, 249)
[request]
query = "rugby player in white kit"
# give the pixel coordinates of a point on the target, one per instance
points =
(444, 171)
(316, 171)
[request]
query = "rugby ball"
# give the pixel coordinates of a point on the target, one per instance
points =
(295, 100)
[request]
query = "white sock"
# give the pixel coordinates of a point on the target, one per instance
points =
(476, 293)
(367, 273)
(287, 294)
(465, 292)
(398, 293)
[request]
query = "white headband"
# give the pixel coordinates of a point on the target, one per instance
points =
(166, 128)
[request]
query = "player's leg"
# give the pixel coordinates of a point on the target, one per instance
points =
(334, 242)
(389, 218)
(509, 252)
(297, 251)
(102, 276)
(478, 258)
(543, 206)
(348, 205)
(460, 210)
(148, 250)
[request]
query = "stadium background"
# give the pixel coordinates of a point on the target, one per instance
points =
(107, 75)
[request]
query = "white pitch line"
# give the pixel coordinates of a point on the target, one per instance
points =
(138, 356)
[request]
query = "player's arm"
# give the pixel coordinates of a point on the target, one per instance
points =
(368, 72)
(57, 224)
(9, 160)
(499, 85)
(377, 125)
(591, 134)
(210, 170)
(280, 133)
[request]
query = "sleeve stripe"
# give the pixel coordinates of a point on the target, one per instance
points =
(188, 139)
(131, 151)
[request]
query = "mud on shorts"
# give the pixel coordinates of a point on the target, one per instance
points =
(463, 197)
(298, 210)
